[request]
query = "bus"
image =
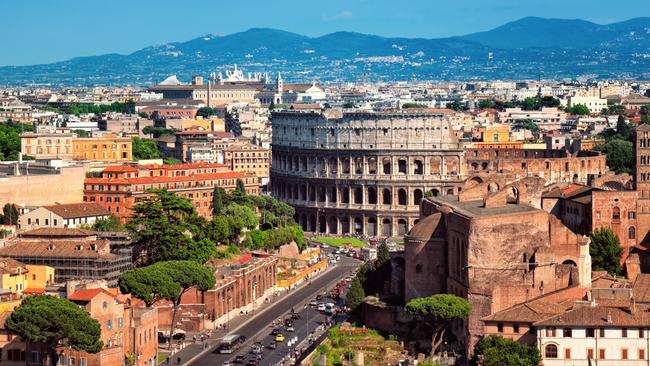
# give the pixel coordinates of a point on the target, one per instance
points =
(229, 343)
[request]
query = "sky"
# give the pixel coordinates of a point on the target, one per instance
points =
(44, 31)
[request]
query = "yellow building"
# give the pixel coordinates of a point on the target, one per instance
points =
(16, 277)
(495, 133)
(103, 148)
(208, 124)
(248, 158)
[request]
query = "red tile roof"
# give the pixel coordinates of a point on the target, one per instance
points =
(88, 294)
(76, 210)
(34, 290)
(164, 179)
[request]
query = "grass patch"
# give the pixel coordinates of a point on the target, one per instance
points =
(161, 358)
(338, 242)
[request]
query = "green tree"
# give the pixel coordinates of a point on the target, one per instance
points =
(239, 217)
(616, 109)
(456, 105)
(149, 284)
(578, 109)
(55, 322)
(161, 229)
(383, 254)
(437, 312)
(206, 112)
(414, 105)
(620, 157)
(605, 250)
(355, 295)
(158, 131)
(348, 105)
(112, 223)
(171, 161)
(9, 214)
(144, 149)
(217, 200)
(486, 103)
(188, 275)
(497, 351)
(10, 139)
(219, 230)
(622, 127)
(143, 115)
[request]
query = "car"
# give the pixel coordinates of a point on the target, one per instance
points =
(288, 322)
(338, 258)
(321, 307)
(290, 328)
(319, 297)
(279, 338)
(226, 363)
(251, 363)
(356, 256)
(324, 246)
(338, 251)
(240, 359)
(276, 331)
(313, 303)
(271, 345)
(242, 339)
(179, 336)
(294, 316)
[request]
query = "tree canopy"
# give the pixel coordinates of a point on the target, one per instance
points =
(414, 105)
(438, 311)
(126, 108)
(144, 149)
(497, 351)
(55, 322)
(620, 155)
(578, 109)
(383, 255)
(112, 223)
(10, 139)
(605, 250)
(9, 214)
(355, 294)
(162, 227)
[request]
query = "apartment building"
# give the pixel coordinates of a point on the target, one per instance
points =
(50, 144)
(119, 187)
(102, 148)
(63, 216)
(248, 158)
(548, 118)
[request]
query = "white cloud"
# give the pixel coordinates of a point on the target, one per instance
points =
(343, 15)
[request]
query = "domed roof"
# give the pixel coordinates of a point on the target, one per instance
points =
(171, 80)
(429, 227)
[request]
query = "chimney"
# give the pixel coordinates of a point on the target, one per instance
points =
(609, 317)
(632, 305)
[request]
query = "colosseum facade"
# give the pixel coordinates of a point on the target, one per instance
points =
(362, 173)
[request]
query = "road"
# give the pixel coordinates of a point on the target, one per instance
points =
(259, 328)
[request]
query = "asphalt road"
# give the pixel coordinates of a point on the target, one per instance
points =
(259, 329)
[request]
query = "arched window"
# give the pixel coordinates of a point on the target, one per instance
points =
(631, 233)
(550, 351)
(616, 214)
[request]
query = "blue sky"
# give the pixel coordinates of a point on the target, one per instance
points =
(42, 31)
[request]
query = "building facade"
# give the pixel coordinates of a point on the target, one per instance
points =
(118, 188)
(362, 173)
(102, 148)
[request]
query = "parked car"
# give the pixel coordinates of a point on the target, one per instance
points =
(276, 331)
(313, 303)
(179, 336)
(271, 345)
(226, 363)
(291, 329)
(252, 363)
(321, 307)
(319, 297)
(279, 338)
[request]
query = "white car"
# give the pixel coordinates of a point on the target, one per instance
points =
(320, 307)
(338, 251)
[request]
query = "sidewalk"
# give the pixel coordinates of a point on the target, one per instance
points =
(191, 350)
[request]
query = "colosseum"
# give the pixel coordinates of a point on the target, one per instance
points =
(362, 173)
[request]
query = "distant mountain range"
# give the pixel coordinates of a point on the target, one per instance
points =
(524, 49)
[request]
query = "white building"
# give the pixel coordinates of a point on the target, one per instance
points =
(596, 335)
(595, 105)
(63, 216)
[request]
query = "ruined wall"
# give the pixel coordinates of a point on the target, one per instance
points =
(44, 189)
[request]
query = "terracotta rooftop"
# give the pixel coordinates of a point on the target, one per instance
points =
(91, 249)
(641, 288)
(76, 210)
(120, 169)
(88, 294)
(529, 312)
(165, 179)
(600, 316)
(57, 232)
(12, 266)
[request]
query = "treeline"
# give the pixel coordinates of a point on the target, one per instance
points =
(126, 108)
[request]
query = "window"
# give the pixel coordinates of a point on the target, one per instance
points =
(631, 215)
(640, 332)
(120, 323)
(601, 332)
(567, 353)
(624, 354)
(641, 354)
(590, 353)
(500, 327)
(550, 332)
(631, 232)
(515, 328)
(566, 332)
(601, 354)
(33, 357)
(109, 324)
(104, 305)
(616, 214)
(73, 361)
(82, 361)
(624, 332)
(590, 332)
(550, 351)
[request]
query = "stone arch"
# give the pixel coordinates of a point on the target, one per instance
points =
(417, 196)
(345, 166)
(474, 166)
(358, 225)
(493, 187)
(333, 224)
(312, 223)
(372, 196)
(303, 192)
(303, 222)
(402, 166)
(358, 195)
(435, 192)
(321, 194)
(484, 165)
(333, 166)
(358, 165)
(402, 198)
(434, 165)
(371, 229)
(387, 227)
(386, 166)
(345, 225)
(372, 166)
(570, 262)
(512, 195)
(332, 194)
(322, 224)
(345, 195)
(387, 196)
(402, 227)
(418, 167)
